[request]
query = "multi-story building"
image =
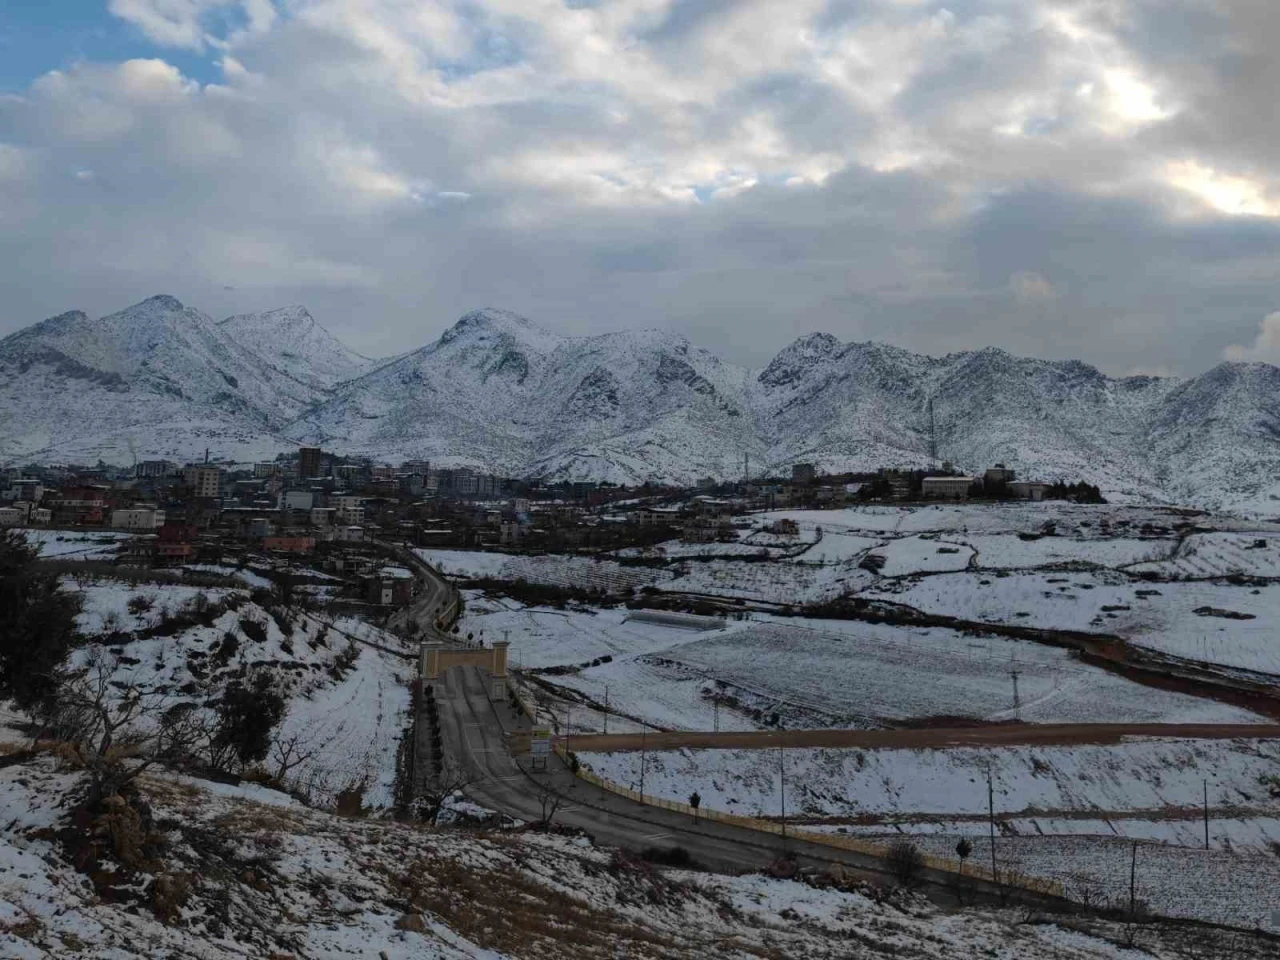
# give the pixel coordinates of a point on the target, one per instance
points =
(348, 509)
(308, 462)
(137, 518)
(205, 480)
(946, 488)
(262, 470)
(803, 473)
(29, 490)
(154, 468)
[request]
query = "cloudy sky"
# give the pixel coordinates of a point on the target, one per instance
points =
(1061, 179)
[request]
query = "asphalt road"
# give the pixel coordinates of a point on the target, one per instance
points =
(476, 734)
(433, 597)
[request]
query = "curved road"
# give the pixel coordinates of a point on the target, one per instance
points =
(478, 732)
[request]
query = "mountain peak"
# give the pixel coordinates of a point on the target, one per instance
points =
(490, 321)
(295, 343)
(161, 300)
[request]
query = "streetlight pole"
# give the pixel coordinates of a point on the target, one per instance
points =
(642, 751)
(991, 816)
(782, 794)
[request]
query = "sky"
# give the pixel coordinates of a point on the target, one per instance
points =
(1094, 179)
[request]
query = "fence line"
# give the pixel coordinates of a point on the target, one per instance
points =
(1011, 878)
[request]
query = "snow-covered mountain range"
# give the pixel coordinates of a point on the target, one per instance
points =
(497, 391)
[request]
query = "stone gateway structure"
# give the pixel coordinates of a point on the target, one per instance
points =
(435, 659)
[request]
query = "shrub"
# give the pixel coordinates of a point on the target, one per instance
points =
(246, 716)
(139, 604)
(905, 862)
(253, 629)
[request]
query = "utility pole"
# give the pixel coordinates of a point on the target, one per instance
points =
(715, 713)
(642, 751)
(1206, 813)
(1017, 704)
(606, 708)
(1133, 880)
(991, 817)
(782, 794)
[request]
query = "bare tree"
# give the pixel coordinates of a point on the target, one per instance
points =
(444, 782)
(117, 728)
(549, 801)
(288, 752)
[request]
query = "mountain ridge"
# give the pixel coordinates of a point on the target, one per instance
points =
(501, 392)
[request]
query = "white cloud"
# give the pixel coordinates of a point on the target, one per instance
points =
(183, 23)
(1265, 346)
(881, 168)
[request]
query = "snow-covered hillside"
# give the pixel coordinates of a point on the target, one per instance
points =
(496, 390)
(499, 392)
(156, 379)
(292, 342)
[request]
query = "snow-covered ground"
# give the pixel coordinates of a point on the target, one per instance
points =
(348, 722)
(1220, 555)
(793, 583)
(105, 604)
(553, 569)
(837, 673)
(1005, 551)
(924, 554)
(75, 544)
(1157, 615)
(1149, 790)
(260, 876)
(1148, 774)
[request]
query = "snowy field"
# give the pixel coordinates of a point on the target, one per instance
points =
(552, 569)
(75, 544)
(793, 583)
(1220, 555)
(1027, 780)
(1220, 885)
(1004, 551)
(925, 554)
(1161, 616)
(541, 637)
(816, 673)
(846, 673)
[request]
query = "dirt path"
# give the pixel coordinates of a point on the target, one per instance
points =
(994, 735)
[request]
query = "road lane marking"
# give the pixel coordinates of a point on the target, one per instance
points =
(656, 836)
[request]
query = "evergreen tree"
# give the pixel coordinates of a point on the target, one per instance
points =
(37, 623)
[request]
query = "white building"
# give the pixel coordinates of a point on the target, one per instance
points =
(946, 488)
(297, 500)
(137, 518)
(349, 534)
(349, 509)
(12, 517)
